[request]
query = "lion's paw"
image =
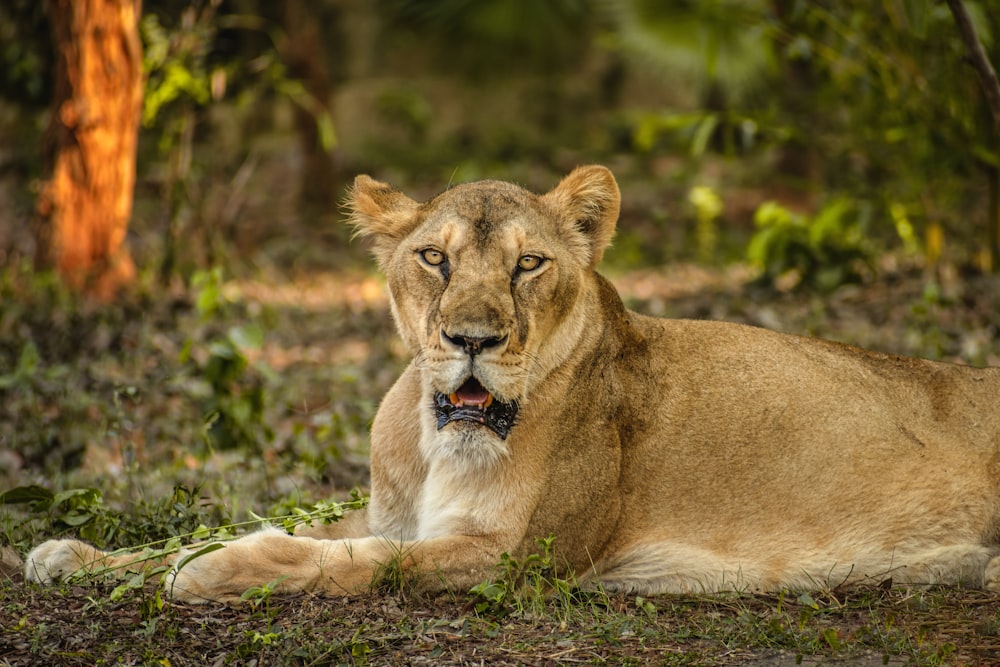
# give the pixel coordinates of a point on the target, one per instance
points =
(57, 559)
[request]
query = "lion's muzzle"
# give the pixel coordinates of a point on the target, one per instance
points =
(472, 402)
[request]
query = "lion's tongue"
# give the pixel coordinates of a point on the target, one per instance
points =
(472, 393)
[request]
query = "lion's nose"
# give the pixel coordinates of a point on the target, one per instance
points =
(473, 345)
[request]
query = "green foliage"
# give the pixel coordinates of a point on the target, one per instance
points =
(923, 327)
(182, 73)
(41, 321)
(175, 66)
(867, 101)
(82, 512)
(822, 252)
(483, 35)
(235, 401)
(321, 512)
(24, 373)
(26, 52)
(698, 134)
(184, 77)
(409, 110)
(897, 95)
(526, 587)
(235, 407)
(714, 44)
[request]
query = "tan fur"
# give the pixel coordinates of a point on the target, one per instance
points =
(662, 455)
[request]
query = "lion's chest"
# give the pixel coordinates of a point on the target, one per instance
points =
(464, 492)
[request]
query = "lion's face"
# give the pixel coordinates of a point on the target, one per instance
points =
(484, 280)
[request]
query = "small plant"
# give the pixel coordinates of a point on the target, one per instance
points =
(526, 587)
(822, 252)
(259, 598)
(391, 577)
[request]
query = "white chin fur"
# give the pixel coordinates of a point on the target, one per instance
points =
(462, 444)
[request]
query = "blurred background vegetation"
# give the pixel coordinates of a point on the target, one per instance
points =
(832, 132)
(825, 167)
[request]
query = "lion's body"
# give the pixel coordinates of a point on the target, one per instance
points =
(662, 455)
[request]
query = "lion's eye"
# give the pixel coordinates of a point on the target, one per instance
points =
(432, 256)
(529, 262)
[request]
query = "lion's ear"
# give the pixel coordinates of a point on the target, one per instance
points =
(590, 197)
(381, 211)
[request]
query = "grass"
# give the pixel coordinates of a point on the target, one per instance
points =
(877, 626)
(168, 416)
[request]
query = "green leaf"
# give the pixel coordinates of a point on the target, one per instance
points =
(27, 365)
(807, 600)
(248, 336)
(208, 285)
(327, 135)
(85, 497)
(490, 590)
(208, 548)
(26, 494)
(76, 518)
(223, 349)
(916, 14)
(134, 582)
(27, 362)
(647, 606)
(705, 129)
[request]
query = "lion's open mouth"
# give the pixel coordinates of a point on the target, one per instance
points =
(472, 402)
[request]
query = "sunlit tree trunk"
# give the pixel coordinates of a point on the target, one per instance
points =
(85, 205)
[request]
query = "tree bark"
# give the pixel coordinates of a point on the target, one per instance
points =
(980, 61)
(85, 205)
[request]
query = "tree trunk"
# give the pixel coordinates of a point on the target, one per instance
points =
(85, 206)
(304, 53)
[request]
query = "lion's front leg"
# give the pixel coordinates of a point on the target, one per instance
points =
(334, 567)
(222, 572)
(269, 556)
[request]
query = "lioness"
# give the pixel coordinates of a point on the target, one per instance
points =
(664, 456)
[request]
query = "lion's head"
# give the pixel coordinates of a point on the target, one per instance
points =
(484, 281)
